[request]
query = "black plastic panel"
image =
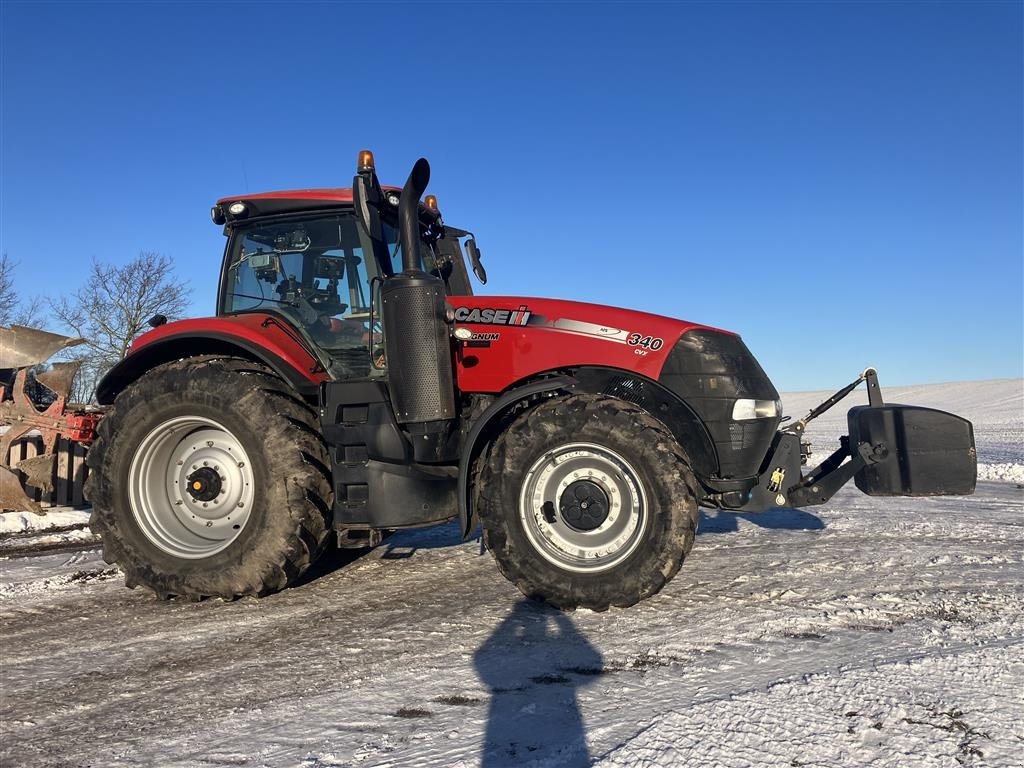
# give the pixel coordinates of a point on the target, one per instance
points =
(376, 482)
(396, 496)
(710, 370)
(930, 453)
(358, 413)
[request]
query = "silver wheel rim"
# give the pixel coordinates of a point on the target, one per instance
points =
(541, 505)
(175, 519)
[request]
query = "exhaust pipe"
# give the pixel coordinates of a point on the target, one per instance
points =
(409, 215)
(417, 343)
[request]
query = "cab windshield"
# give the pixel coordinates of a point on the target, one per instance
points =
(316, 272)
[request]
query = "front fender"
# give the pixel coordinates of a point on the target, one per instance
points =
(658, 401)
(467, 515)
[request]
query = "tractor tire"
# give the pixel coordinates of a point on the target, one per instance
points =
(587, 501)
(209, 478)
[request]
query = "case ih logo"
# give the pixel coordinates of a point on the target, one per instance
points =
(488, 316)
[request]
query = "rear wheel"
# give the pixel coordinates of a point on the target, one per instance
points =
(587, 501)
(209, 478)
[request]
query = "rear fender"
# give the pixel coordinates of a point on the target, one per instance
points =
(288, 359)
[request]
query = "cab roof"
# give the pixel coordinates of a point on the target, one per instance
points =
(335, 195)
(292, 200)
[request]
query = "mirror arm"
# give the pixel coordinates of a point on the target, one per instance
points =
(367, 196)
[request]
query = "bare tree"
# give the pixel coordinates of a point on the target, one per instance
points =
(15, 309)
(110, 311)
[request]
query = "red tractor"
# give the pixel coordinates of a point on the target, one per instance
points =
(352, 384)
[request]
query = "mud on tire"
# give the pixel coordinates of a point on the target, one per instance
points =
(288, 470)
(553, 473)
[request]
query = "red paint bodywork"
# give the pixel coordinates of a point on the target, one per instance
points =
(518, 353)
(251, 328)
(524, 351)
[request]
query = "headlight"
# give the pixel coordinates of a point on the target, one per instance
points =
(743, 410)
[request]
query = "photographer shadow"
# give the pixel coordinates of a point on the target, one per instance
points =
(534, 663)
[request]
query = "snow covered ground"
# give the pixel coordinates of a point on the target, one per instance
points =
(61, 528)
(876, 632)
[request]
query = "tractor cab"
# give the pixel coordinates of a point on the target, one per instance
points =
(307, 257)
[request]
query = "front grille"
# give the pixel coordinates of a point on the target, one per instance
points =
(710, 370)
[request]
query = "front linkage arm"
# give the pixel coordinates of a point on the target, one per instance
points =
(891, 450)
(832, 474)
(822, 483)
(870, 375)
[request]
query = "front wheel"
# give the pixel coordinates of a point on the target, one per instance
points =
(587, 501)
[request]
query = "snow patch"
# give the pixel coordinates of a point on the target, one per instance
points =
(58, 517)
(77, 578)
(1005, 473)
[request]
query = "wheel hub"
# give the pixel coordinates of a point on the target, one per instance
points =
(584, 505)
(204, 484)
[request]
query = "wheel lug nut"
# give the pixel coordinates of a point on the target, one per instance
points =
(241, 503)
(180, 462)
(241, 464)
(209, 443)
(178, 503)
(206, 463)
(195, 466)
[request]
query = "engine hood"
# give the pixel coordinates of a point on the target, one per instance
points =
(515, 337)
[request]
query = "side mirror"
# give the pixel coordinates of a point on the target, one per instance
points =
(474, 259)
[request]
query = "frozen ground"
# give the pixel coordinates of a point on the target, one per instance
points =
(863, 632)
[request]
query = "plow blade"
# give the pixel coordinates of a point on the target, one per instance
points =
(59, 378)
(16, 482)
(26, 412)
(37, 472)
(12, 493)
(22, 347)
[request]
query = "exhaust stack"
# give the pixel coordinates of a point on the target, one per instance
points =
(416, 334)
(409, 215)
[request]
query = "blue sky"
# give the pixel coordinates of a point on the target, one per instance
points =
(840, 183)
